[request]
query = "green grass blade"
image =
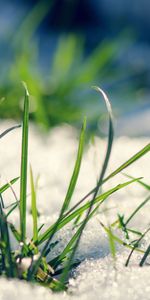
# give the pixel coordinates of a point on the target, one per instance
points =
(7, 185)
(137, 209)
(33, 207)
(110, 139)
(24, 159)
(76, 170)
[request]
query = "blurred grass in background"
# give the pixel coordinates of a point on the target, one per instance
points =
(62, 92)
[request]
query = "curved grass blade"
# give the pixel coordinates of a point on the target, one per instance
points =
(67, 200)
(110, 139)
(33, 206)
(8, 130)
(24, 159)
(102, 174)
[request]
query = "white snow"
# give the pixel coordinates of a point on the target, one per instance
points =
(53, 156)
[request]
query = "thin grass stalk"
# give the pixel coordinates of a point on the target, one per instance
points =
(76, 170)
(33, 206)
(104, 167)
(24, 161)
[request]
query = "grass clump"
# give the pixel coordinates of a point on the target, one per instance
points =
(29, 262)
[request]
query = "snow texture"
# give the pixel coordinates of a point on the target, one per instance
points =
(52, 157)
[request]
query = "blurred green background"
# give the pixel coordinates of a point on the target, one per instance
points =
(60, 48)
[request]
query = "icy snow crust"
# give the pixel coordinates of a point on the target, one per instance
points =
(52, 156)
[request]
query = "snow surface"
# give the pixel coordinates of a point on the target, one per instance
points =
(52, 157)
